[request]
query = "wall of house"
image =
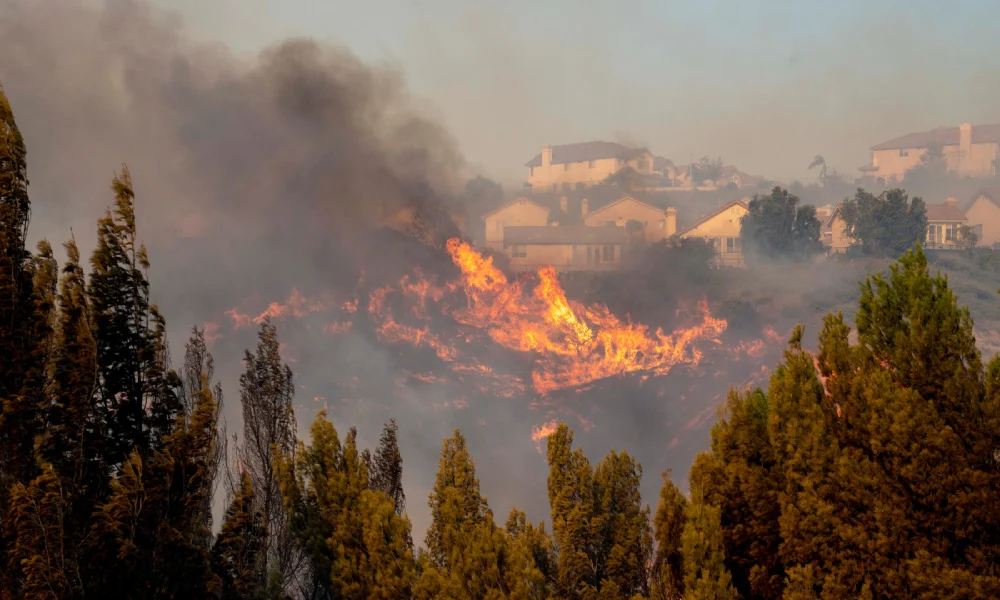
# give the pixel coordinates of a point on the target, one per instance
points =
(565, 257)
(985, 213)
(657, 225)
(839, 242)
(519, 213)
(719, 230)
(544, 177)
(977, 161)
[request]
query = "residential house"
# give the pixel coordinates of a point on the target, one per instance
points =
(969, 151)
(522, 211)
(722, 229)
(944, 224)
(983, 215)
(657, 224)
(565, 248)
(664, 167)
(562, 168)
(687, 177)
(835, 232)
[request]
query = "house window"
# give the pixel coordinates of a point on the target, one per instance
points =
(642, 164)
(565, 166)
(518, 251)
(608, 253)
(734, 245)
(590, 255)
(590, 165)
(903, 153)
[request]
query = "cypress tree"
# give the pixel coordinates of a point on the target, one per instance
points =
(571, 498)
(626, 544)
(238, 545)
(387, 467)
(705, 573)
(266, 395)
(668, 525)
(129, 332)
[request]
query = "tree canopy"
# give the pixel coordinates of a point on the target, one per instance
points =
(777, 227)
(884, 225)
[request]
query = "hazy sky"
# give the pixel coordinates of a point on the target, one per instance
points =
(765, 84)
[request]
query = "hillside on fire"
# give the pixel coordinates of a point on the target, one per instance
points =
(865, 465)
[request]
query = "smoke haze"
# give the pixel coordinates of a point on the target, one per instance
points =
(260, 173)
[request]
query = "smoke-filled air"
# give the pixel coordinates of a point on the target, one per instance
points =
(323, 301)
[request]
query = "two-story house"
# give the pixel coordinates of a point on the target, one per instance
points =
(968, 151)
(944, 224)
(566, 167)
(721, 228)
(520, 212)
(657, 224)
(983, 214)
(565, 248)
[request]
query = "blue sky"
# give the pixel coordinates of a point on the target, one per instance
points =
(766, 85)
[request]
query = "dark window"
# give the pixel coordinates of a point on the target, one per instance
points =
(518, 251)
(642, 164)
(733, 245)
(565, 166)
(591, 164)
(904, 152)
(608, 253)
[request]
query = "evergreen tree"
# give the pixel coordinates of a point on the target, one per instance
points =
(238, 545)
(885, 225)
(571, 498)
(16, 462)
(358, 547)
(668, 525)
(129, 332)
(739, 477)
(266, 395)
(623, 525)
(705, 573)
(536, 540)
(457, 507)
(775, 226)
(386, 467)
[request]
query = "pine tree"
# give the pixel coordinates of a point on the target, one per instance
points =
(456, 505)
(622, 524)
(705, 573)
(266, 395)
(358, 547)
(387, 467)
(129, 333)
(238, 545)
(70, 442)
(740, 477)
(571, 499)
(15, 321)
(537, 541)
(668, 525)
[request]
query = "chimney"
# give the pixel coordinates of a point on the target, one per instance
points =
(671, 221)
(583, 207)
(546, 155)
(964, 140)
(950, 201)
(563, 204)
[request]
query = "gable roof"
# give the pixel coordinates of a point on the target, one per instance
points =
(716, 213)
(541, 235)
(619, 201)
(518, 200)
(944, 212)
(942, 136)
(660, 163)
(584, 151)
(991, 194)
(828, 224)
